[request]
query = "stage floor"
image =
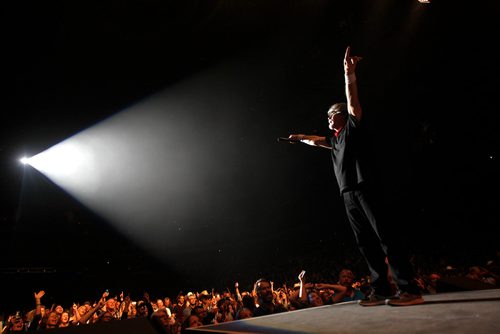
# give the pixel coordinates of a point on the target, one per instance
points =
(454, 312)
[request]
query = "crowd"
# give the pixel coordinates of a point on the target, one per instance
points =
(195, 309)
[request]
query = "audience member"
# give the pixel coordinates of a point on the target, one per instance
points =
(346, 279)
(265, 299)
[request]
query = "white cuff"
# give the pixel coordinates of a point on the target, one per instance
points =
(350, 78)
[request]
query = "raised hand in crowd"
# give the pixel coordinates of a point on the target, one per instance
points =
(38, 303)
(85, 318)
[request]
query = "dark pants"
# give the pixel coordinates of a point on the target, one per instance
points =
(375, 246)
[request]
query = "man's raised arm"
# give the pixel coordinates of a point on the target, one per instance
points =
(351, 87)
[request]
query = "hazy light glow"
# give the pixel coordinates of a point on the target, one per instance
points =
(24, 160)
(169, 170)
(135, 169)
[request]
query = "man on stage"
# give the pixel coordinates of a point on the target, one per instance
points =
(346, 146)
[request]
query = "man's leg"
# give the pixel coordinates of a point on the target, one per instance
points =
(368, 242)
(398, 255)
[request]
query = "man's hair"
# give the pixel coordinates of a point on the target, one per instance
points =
(338, 107)
(260, 280)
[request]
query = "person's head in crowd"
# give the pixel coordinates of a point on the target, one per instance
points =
(263, 290)
(59, 309)
(200, 312)
(275, 295)
(64, 320)
(142, 309)
(281, 295)
(206, 300)
(161, 317)
(132, 310)
(88, 305)
(106, 317)
(15, 324)
(314, 299)
(434, 277)
(475, 273)
(346, 278)
(82, 309)
(111, 304)
(159, 304)
(43, 310)
(224, 305)
(191, 297)
(181, 299)
(248, 302)
(192, 321)
(167, 302)
(52, 320)
(433, 282)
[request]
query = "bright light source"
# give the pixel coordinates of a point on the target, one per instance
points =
(65, 160)
(24, 160)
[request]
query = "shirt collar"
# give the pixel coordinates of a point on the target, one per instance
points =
(336, 133)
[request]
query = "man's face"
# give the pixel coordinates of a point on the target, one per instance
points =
(346, 278)
(192, 299)
(264, 291)
(111, 304)
(82, 310)
(335, 119)
(194, 321)
(107, 317)
(52, 319)
(163, 317)
(142, 310)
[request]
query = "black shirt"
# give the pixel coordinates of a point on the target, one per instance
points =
(347, 155)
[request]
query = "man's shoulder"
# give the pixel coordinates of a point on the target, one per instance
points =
(352, 121)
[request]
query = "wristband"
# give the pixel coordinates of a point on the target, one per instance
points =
(350, 78)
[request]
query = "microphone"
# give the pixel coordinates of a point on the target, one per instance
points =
(285, 139)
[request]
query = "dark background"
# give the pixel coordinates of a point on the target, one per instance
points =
(428, 83)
